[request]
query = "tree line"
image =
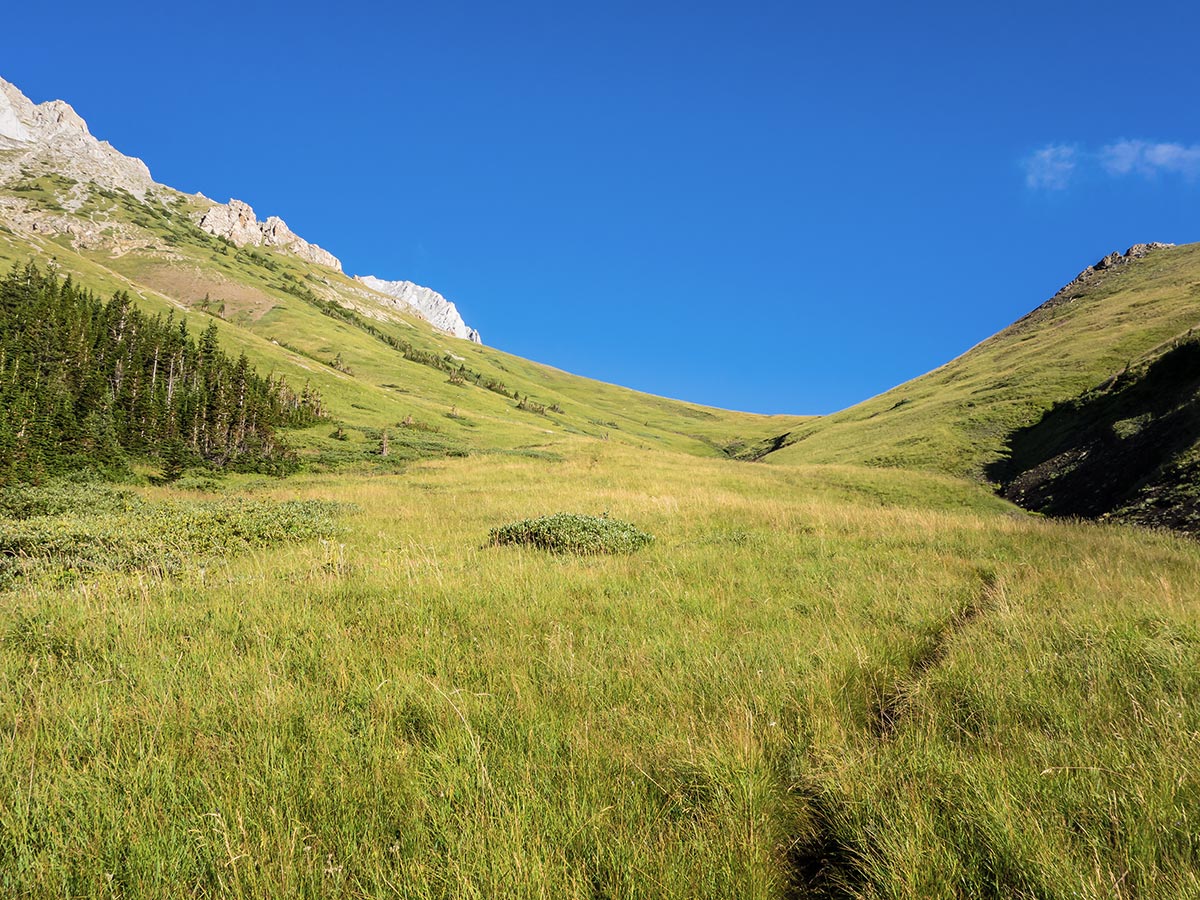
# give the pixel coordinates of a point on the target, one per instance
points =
(86, 383)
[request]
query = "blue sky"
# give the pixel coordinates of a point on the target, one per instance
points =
(778, 207)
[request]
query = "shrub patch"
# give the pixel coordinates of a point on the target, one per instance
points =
(572, 533)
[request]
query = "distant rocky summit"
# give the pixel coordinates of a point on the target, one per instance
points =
(427, 303)
(236, 222)
(52, 137)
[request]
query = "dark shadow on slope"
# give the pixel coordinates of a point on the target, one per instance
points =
(1118, 450)
(757, 450)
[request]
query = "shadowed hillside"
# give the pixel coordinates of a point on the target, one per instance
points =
(957, 418)
(1127, 450)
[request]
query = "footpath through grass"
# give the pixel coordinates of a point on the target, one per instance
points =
(817, 681)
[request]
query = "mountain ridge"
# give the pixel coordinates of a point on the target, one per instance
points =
(52, 137)
(957, 417)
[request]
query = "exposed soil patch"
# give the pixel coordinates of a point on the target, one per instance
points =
(1127, 450)
(822, 865)
(191, 286)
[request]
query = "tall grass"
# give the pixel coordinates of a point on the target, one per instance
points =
(404, 711)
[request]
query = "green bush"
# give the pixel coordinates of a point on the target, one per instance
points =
(66, 495)
(571, 533)
(160, 537)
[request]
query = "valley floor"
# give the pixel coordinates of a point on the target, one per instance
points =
(818, 681)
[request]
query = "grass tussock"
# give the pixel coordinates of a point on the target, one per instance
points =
(572, 533)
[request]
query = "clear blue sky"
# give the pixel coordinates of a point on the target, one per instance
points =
(779, 207)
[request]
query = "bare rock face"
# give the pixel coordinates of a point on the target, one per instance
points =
(236, 222)
(425, 302)
(51, 137)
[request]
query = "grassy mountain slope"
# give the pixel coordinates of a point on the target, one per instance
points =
(1128, 449)
(276, 308)
(957, 418)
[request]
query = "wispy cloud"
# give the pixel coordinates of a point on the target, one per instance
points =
(1051, 167)
(1055, 166)
(1148, 159)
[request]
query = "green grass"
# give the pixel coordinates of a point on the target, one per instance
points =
(956, 418)
(408, 711)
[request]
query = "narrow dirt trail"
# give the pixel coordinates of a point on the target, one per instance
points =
(892, 707)
(825, 865)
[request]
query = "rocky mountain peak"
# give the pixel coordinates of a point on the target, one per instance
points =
(1092, 274)
(53, 137)
(235, 221)
(425, 302)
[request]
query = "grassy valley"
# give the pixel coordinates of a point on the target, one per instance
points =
(849, 670)
(815, 682)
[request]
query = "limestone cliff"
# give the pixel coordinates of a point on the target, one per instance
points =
(51, 137)
(236, 222)
(427, 303)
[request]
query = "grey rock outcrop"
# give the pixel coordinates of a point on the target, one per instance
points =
(51, 137)
(425, 302)
(1088, 276)
(236, 222)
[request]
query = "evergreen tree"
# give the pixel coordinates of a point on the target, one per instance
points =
(87, 384)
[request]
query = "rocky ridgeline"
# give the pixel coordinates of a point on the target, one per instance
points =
(236, 222)
(1093, 273)
(51, 137)
(427, 303)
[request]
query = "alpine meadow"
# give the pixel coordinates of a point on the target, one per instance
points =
(305, 591)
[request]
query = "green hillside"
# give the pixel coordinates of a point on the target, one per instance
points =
(957, 418)
(311, 323)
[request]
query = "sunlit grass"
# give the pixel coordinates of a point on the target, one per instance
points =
(404, 710)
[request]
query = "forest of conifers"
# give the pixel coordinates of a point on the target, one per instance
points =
(91, 384)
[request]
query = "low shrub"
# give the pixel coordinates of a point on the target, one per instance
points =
(572, 533)
(159, 537)
(64, 495)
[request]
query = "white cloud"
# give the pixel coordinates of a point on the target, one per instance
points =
(1051, 167)
(1055, 166)
(1148, 159)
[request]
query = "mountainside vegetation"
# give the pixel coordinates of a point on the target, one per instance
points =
(374, 365)
(849, 671)
(85, 384)
(958, 418)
